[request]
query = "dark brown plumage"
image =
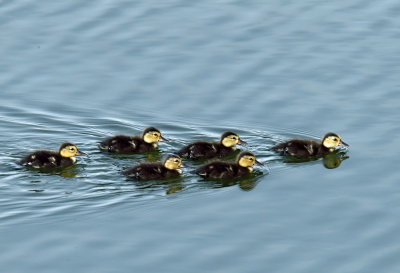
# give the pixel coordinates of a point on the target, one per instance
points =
(206, 150)
(156, 170)
(229, 170)
(50, 159)
(309, 148)
(132, 144)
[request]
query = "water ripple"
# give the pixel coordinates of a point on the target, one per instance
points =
(97, 181)
(80, 71)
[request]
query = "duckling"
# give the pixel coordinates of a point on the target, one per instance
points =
(156, 170)
(308, 148)
(50, 159)
(133, 144)
(204, 150)
(225, 170)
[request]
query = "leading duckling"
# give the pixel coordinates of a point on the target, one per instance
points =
(156, 170)
(228, 170)
(51, 159)
(308, 148)
(133, 144)
(206, 150)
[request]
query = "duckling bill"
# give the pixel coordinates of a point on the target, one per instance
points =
(229, 170)
(309, 148)
(170, 167)
(133, 144)
(51, 159)
(206, 150)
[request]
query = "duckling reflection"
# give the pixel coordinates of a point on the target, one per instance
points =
(333, 160)
(174, 188)
(169, 186)
(67, 172)
(329, 161)
(246, 183)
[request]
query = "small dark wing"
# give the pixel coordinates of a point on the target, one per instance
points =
(138, 145)
(133, 172)
(106, 144)
(199, 150)
(117, 144)
(184, 152)
(146, 171)
(203, 171)
(41, 159)
(217, 170)
(281, 147)
(297, 147)
(27, 160)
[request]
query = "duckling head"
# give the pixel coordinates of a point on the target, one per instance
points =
(69, 150)
(230, 139)
(152, 135)
(173, 162)
(247, 160)
(332, 140)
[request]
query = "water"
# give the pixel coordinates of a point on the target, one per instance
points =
(81, 71)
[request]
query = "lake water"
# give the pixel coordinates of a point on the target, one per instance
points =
(80, 71)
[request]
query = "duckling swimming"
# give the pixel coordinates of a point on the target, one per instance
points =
(308, 147)
(50, 159)
(226, 170)
(156, 170)
(133, 144)
(204, 150)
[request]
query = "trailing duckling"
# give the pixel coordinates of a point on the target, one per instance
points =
(229, 170)
(133, 144)
(309, 148)
(170, 167)
(51, 159)
(205, 150)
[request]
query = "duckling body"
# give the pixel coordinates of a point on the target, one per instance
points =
(222, 170)
(50, 159)
(156, 170)
(132, 144)
(310, 148)
(206, 150)
(126, 144)
(229, 170)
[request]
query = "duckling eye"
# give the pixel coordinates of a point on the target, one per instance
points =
(176, 160)
(72, 149)
(234, 138)
(155, 134)
(335, 139)
(251, 159)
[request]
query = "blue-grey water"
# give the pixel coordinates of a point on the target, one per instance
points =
(80, 71)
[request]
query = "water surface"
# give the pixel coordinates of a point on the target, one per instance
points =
(82, 71)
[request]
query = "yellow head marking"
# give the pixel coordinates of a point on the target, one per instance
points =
(230, 140)
(247, 161)
(152, 137)
(173, 163)
(331, 141)
(69, 151)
